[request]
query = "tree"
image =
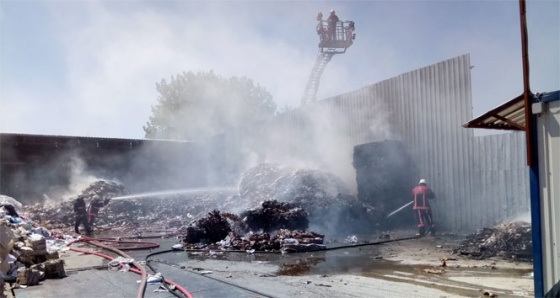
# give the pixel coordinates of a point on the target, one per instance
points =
(193, 106)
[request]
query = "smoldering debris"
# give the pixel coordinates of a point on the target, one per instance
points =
(61, 214)
(331, 206)
(510, 241)
(104, 189)
(306, 188)
(223, 230)
(170, 213)
(275, 215)
(294, 200)
(212, 228)
(281, 240)
(258, 182)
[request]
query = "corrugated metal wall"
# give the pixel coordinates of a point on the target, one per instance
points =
(477, 180)
(500, 188)
(425, 109)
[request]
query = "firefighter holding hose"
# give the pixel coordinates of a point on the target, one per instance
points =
(80, 215)
(421, 195)
(93, 209)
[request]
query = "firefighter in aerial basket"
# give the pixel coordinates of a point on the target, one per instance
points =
(421, 195)
(93, 209)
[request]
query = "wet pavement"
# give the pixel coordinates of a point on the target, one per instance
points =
(239, 274)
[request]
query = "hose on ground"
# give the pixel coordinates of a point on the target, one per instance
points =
(215, 279)
(141, 270)
(147, 259)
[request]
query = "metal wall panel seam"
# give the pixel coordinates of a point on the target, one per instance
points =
(478, 180)
(466, 134)
(456, 111)
(440, 127)
(455, 208)
(462, 138)
(484, 156)
(432, 91)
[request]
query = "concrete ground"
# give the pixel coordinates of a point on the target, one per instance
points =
(409, 268)
(398, 269)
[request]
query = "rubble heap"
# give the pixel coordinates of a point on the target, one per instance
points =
(310, 189)
(330, 206)
(282, 240)
(274, 215)
(211, 228)
(61, 214)
(257, 183)
(171, 212)
(507, 241)
(104, 189)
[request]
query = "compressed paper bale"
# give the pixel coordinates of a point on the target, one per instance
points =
(28, 276)
(54, 268)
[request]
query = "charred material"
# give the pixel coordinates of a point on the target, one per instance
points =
(385, 175)
(283, 239)
(212, 228)
(275, 215)
(506, 241)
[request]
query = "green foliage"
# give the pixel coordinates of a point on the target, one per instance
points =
(193, 106)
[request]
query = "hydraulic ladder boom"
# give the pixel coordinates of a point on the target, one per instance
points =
(334, 38)
(310, 93)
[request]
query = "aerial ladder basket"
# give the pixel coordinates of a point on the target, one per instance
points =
(332, 40)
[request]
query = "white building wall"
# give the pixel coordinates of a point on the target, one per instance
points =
(548, 126)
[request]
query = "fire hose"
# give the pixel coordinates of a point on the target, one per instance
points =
(147, 259)
(215, 279)
(141, 270)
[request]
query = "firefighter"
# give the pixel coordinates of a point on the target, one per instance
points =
(81, 215)
(321, 30)
(93, 209)
(421, 195)
(331, 24)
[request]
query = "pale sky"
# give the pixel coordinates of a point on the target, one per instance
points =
(89, 68)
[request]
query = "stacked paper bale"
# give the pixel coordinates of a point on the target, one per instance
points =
(54, 268)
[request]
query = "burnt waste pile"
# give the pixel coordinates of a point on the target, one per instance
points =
(272, 205)
(227, 231)
(331, 207)
(133, 215)
(60, 214)
(508, 241)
